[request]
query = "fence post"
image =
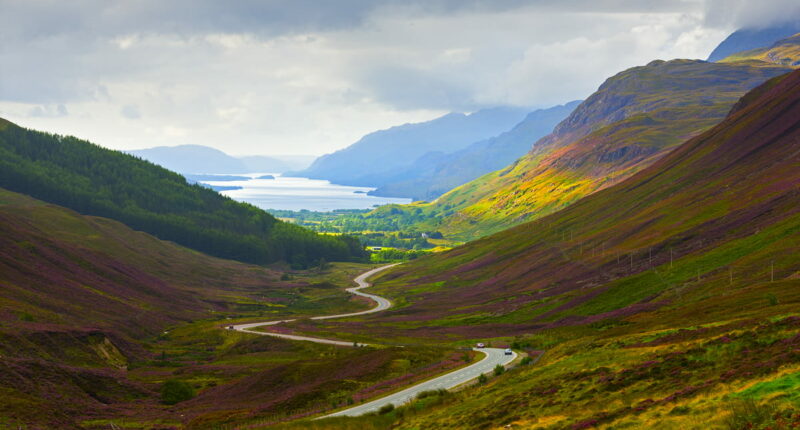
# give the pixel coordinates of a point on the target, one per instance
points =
(772, 271)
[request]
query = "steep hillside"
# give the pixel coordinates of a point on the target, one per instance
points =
(97, 181)
(60, 268)
(703, 334)
(77, 296)
(436, 173)
(721, 210)
(95, 317)
(632, 120)
(785, 52)
(752, 38)
(668, 301)
(378, 156)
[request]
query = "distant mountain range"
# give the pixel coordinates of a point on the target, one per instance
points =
(198, 159)
(435, 173)
(635, 117)
(378, 158)
(718, 199)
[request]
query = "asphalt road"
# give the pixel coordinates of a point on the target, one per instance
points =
(361, 282)
(493, 356)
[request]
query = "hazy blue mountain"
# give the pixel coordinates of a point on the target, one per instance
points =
(752, 38)
(261, 163)
(378, 156)
(293, 162)
(192, 159)
(198, 159)
(435, 173)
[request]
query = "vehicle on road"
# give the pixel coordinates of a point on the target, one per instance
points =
(230, 327)
(509, 351)
(481, 345)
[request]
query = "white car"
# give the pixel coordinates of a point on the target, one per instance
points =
(509, 351)
(481, 345)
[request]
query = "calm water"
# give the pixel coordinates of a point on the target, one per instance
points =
(301, 193)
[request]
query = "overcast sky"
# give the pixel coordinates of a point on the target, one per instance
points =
(309, 77)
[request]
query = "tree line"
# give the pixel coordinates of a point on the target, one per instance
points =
(92, 180)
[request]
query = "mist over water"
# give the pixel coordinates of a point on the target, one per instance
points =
(290, 193)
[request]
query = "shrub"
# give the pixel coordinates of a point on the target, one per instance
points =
(431, 393)
(385, 409)
(499, 370)
(772, 299)
(525, 361)
(174, 391)
(482, 379)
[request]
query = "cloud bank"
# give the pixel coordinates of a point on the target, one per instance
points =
(303, 76)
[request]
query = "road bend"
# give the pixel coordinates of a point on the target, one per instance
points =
(492, 356)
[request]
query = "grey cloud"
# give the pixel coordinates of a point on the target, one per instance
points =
(130, 112)
(409, 88)
(40, 19)
(48, 111)
(751, 14)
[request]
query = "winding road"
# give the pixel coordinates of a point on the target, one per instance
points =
(493, 356)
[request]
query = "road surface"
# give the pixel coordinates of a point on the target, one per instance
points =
(360, 280)
(493, 356)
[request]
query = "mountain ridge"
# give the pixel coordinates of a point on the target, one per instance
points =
(746, 39)
(434, 174)
(382, 153)
(635, 117)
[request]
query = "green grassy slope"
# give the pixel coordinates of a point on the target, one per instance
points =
(634, 119)
(97, 181)
(785, 52)
(667, 301)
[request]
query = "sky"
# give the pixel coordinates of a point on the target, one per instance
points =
(275, 77)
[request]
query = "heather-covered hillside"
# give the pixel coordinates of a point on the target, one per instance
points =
(96, 317)
(632, 120)
(667, 301)
(719, 212)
